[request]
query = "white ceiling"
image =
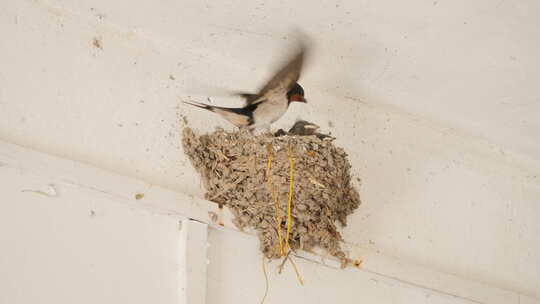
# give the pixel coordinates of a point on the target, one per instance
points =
(437, 103)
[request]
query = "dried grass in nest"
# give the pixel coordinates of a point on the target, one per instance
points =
(234, 171)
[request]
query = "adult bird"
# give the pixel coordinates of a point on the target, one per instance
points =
(271, 102)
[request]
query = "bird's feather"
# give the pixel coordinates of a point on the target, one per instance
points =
(239, 117)
(199, 105)
(282, 81)
(236, 119)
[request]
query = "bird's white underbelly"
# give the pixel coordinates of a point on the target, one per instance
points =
(267, 113)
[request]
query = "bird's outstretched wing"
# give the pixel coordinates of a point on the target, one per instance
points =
(248, 97)
(282, 81)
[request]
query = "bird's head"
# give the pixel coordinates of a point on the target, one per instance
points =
(296, 94)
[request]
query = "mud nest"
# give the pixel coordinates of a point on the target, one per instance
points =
(234, 168)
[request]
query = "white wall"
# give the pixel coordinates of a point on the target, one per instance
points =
(71, 232)
(435, 101)
(64, 246)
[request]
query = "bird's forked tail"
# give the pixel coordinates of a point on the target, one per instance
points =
(200, 105)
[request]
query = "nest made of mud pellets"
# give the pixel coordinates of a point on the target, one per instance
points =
(234, 171)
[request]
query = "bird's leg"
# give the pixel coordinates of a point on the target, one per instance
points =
(264, 129)
(260, 129)
(248, 128)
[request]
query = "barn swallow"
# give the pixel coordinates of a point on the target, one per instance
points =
(270, 103)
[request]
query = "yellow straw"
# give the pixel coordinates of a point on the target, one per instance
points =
(298, 276)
